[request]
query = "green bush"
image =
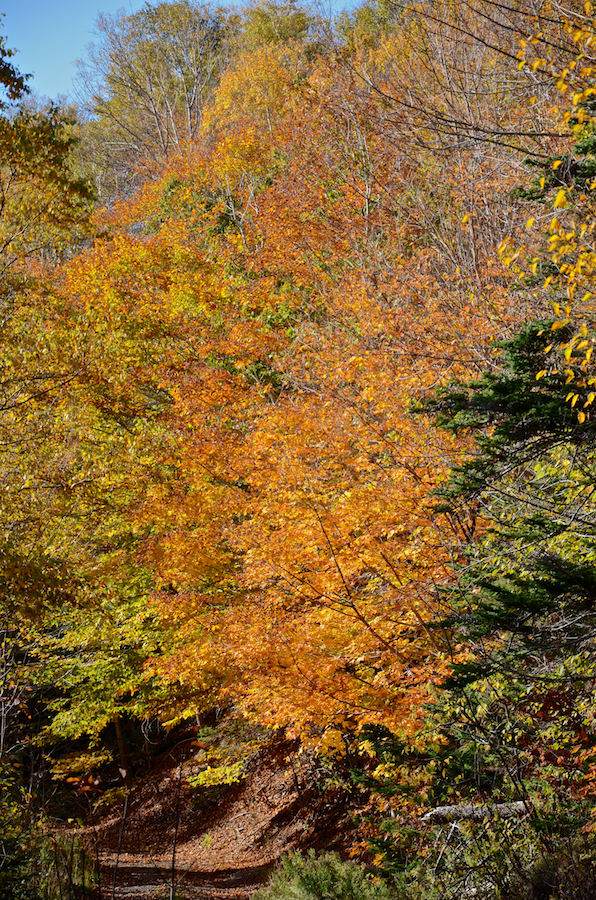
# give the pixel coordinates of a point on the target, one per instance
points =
(18, 878)
(325, 877)
(34, 863)
(35, 866)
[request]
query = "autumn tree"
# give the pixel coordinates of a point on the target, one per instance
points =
(303, 469)
(241, 345)
(145, 83)
(43, 206)
(513, 722)
(557, 257)
(61, 429)
(275, 23)
(306, 269)
(14, 84)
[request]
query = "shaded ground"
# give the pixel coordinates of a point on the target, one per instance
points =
(226, 839)
(150, 883)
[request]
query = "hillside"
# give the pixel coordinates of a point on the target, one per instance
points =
(228, 838)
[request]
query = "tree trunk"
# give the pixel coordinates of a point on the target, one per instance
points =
(122, 750)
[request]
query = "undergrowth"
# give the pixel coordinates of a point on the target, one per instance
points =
(326, 877)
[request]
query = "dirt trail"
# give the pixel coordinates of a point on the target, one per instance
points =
(143, 881)
(225, 847)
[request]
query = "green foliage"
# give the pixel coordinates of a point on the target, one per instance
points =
(18, 878)
(33, 864)
(530, 477)
(325, 877)
(225, 753)
(275, 22)
(11, 79)
(573, 171)
(64, 868)
(514, 720)
(502, 858)
(527, 415)
(45, 207)
(367, 23)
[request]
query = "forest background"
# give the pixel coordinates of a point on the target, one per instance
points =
(296, 415)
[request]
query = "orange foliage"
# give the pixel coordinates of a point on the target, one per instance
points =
(290, 288)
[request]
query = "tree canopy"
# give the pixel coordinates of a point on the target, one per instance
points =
(299, 417)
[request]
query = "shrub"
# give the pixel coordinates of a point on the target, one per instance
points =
(326, 877)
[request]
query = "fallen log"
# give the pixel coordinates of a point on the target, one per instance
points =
(471, 812)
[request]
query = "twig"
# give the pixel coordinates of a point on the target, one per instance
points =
(96, 846)
(176, 825)
(120, 838)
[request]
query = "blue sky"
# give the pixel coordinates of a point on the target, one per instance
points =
(51, 34)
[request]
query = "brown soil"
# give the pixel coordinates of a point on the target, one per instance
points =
(227, 839)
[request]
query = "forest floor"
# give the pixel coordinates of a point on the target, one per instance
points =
(218, 843)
